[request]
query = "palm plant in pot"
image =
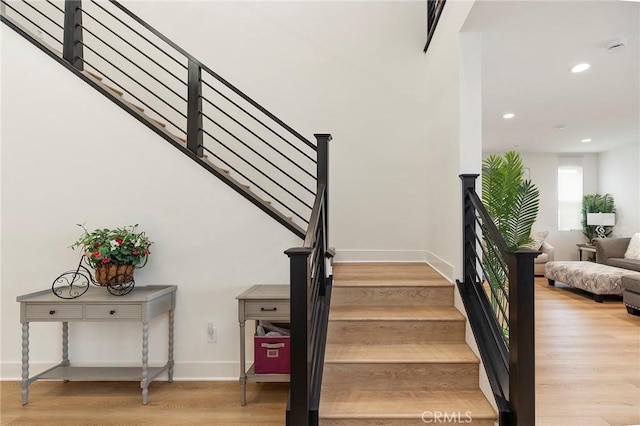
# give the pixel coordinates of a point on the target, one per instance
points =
(513, 204)
(114, 253)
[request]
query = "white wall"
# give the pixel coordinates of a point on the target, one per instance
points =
(619, 176)
(443, 121)
(71, 156)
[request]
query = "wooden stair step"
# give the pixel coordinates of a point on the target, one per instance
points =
(94, 74)
(157, 122)
(117, 91)
(340, 407)
(459, 353)
(395, 313)
(400, 367)
(385, 270)
(385, 332)
(387, 282)
(385, 295)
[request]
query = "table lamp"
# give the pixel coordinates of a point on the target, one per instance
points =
(600, 220)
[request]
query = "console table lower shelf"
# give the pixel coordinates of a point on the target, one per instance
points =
(100, 374)
(96, 305)
(252, 377)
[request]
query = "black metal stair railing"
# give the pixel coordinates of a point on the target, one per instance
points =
(497, 292)
(178, 97)
(310, 300)
(434, 10)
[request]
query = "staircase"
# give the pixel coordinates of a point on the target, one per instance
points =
(179, 98)
(396, 352)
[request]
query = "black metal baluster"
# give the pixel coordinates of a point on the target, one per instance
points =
(194, 109)
(72, 49)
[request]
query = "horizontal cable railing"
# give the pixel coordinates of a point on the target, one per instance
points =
(188, 103)
(497, 292)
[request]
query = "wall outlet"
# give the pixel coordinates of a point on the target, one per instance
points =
(212, 333)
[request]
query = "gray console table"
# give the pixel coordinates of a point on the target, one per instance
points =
(142, 304)
(260, 302)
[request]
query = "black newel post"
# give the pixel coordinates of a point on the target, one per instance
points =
(522, 383)
(194, 109)
(300, 339)
(468, 225)
(72, 37)
(323, 140)
(322, 174)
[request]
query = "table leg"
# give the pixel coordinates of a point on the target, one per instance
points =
(580, 255)
(144, 383)
(243, 367)
(65, 343)
(25, 363)
(171, 333)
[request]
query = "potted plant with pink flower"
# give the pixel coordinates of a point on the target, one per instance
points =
(114, 253)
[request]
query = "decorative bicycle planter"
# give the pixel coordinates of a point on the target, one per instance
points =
(118, 280)
(113, 254)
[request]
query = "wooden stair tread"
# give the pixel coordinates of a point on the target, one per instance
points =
(394, 313)
(157, 122)
(117, 91)
(436, 352)
(94, 74)
(354, 404)
(391, 282)
(385, 273)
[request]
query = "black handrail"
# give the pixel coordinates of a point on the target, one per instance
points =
(504, 331)
(310, 302)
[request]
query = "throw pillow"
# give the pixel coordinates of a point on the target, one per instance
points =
(633, 251)
(538, 238)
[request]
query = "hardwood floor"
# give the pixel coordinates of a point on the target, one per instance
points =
(588, 374)
(587, 360)
(119, 403)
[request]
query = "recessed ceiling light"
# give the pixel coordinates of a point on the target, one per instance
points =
(560, 127)
(580, 68)
(585, 140)
(509, 115)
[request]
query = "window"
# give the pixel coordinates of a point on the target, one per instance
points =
(570, 194)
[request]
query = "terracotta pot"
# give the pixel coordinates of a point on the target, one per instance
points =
(110, 273)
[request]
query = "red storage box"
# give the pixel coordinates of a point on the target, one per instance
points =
(272, 354)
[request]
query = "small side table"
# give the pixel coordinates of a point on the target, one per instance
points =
(260, 302)
(585, 247)
(142, 304)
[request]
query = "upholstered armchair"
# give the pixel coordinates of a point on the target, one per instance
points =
(546, 256)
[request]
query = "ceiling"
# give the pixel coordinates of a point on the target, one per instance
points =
(528, 49)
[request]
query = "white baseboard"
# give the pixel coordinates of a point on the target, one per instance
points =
(443, 267)
(183, 371)
(347, 255)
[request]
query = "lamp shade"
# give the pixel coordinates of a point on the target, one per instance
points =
(601, 219)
